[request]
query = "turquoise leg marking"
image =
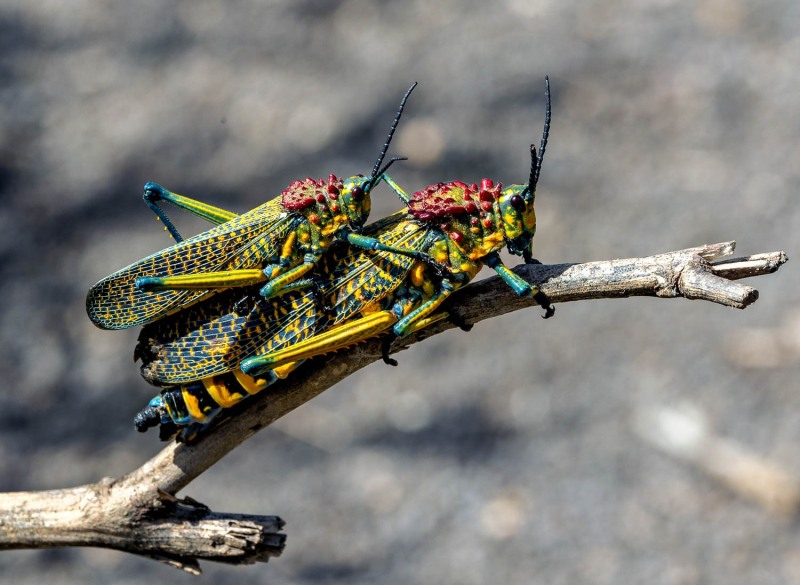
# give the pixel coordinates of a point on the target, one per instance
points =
(150, 283)
(256, 366)
(369, 243)
(518, 284)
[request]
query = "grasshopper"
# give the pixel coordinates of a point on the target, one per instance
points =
(194, 354)
(274, 245)
(214, 355)
(467, 227)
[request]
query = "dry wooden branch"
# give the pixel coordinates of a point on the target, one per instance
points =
(120, 515)
(139, 513)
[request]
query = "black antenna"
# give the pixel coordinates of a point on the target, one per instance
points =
(375, 174)
(536, 160)
(392, 160)
(532, 178)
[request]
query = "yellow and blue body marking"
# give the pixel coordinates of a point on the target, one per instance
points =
(394, 282)
(467, 226)
(191, 353)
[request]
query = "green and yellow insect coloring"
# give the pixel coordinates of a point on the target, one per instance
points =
(213, 355)
(274, 245)
(195, 354)
(468, 226)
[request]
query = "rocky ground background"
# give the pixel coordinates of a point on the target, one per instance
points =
(506, 455)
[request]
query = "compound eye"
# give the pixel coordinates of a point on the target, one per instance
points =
(357, 193)
(517, 203)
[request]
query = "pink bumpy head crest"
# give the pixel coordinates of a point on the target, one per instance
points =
(453, 198)
(301, 194)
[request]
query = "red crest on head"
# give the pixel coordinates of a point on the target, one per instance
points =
(302, 194)
(447, 199)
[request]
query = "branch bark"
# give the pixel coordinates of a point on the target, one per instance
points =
(139, 512)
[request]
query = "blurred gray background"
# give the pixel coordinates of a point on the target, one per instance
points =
(505, 455)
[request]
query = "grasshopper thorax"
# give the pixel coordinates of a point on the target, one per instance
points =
(301, 195)
(442, 201)
(479, 218)
(331, 203)
(468, 214)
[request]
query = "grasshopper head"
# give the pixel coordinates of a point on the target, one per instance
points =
(355, 200)
(355, 195)
(518, 218)
(516, 202)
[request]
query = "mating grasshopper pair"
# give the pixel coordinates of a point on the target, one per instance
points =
(209, 351)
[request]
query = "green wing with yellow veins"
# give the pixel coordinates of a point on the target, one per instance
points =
(243, 242)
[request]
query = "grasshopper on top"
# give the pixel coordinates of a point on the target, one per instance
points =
(225, 349)
(467, 227)
(276, 244)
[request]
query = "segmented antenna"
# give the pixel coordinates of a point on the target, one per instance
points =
(536, 160)
(392, 160)
(531, 186)
(375, 170)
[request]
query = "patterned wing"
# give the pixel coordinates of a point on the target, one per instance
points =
(244, 242)
(359, 279)
(213, 336)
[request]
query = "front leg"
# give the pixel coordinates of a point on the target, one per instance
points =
(369, 243)
(519, 285)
